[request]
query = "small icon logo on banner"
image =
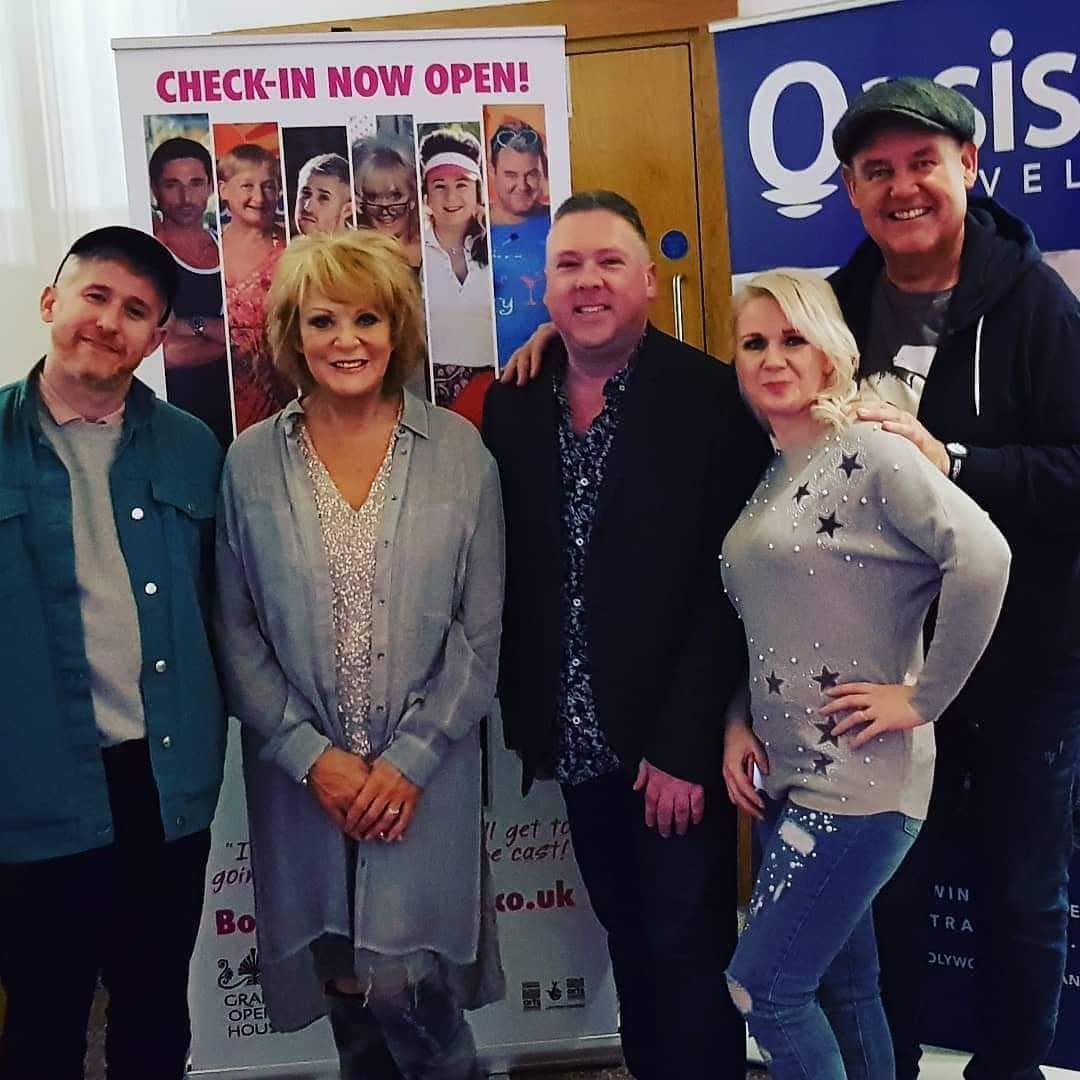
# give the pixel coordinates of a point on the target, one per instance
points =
(246, 974)
(530, 996)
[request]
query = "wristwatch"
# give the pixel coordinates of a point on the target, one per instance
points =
(198, 325)
(958, 453)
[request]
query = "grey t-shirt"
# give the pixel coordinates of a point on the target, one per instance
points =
(902, 340)
(110, 619)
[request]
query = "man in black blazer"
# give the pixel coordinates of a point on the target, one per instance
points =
(623, 465)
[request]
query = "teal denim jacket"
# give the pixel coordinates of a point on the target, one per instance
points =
(53, 796)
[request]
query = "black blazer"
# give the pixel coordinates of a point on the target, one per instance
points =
(665, 647)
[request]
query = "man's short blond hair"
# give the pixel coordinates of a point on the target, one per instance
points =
(364, 268)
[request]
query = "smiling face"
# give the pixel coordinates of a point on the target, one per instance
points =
(103, 321)
(347, 346)
(518, 181)
(600, 282)
(323, 204)
(387, 200)
(251, 194)
(780, 373)
(453, 199)
(910, 188)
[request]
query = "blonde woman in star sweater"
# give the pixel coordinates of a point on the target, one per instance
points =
(833, 566)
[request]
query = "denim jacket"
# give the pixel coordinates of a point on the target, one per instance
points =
(53, 796)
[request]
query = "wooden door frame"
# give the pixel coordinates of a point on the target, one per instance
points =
(600, 25)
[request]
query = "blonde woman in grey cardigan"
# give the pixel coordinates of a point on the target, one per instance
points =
(832, 566)
(360, 570)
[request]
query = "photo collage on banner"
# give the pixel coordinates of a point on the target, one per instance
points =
(473, 195)
(179, 154)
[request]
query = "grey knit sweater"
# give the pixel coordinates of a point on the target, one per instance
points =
(832, 566)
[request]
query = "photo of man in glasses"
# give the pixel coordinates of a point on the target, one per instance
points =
(520, 220)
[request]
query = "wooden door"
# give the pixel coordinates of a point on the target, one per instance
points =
(632, 130)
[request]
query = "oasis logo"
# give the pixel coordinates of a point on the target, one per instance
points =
(799, 192)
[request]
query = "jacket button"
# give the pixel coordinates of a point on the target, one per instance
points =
(150, 588)
(160, 666)
(180, 822)
(166, 741)
(137, 513)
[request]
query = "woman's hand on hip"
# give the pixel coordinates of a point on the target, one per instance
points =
(336, 779)
(742, 751)
(384, 806)
(882, 707)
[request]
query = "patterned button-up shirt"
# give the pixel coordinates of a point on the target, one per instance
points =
(583, 750)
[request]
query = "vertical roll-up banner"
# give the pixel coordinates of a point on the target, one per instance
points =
(784, 82)
(233, 147)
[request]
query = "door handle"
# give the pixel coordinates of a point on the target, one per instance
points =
(676, 292)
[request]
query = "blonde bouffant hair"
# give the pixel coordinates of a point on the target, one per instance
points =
(360, 267)
(810, 306)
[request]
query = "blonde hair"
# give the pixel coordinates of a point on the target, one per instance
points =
(360, 268)
(246, 156)
(810, 306)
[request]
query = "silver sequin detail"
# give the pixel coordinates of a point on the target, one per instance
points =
(349, 538)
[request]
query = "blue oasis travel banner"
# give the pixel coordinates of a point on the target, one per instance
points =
(783, 85)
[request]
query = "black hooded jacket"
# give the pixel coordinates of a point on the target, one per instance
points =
(1005, 382)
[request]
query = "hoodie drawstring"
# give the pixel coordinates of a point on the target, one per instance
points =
(978, 362)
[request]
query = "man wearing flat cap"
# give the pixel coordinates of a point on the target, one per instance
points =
(974, 343)
(113, 729)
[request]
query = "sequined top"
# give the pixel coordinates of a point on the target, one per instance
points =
(832, 566)
(583, 750)
(349, 539)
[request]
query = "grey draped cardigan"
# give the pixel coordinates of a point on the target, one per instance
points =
(437, 619)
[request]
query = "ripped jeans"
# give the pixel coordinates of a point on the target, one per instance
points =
(805, 972)
(406, 1024)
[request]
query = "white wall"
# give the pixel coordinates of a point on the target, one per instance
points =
(61, 167)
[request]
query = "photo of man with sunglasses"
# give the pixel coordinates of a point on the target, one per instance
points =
(520, 221)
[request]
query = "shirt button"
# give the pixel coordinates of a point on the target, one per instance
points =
(576, 721)
(150, 588)
(584, 481)
(160, 666)
(580, 542)
(576, 601)
(379, 656)
(575, 662)
(180, 822)
(137, 513)
(382, 603)
(379, 708)
(166, 741)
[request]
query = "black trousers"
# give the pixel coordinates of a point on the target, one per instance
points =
(129, 913)
(1003, 791)
(669, 909)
